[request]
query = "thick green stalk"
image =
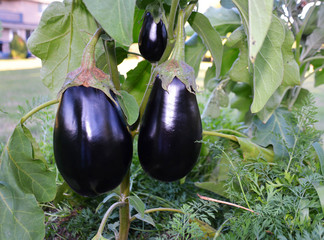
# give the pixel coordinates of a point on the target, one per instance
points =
(112, 62)
(179, 48)
(146, 95)
(171, 19)
(188, 10)
(88, 58)
(35, 110)
(124, 214)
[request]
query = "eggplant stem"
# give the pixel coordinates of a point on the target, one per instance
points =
(105, 218)
(35, 110)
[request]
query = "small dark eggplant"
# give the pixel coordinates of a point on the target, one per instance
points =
(170, 131)
(92, 145)
(152, 39)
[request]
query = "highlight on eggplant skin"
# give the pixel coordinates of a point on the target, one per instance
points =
(92, 145)
(170, 131)
(152, 39)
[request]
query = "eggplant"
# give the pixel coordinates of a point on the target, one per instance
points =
(152, 39)
(92, 145)
(170, 132)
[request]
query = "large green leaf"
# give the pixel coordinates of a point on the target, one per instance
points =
(20, 216)
(268, 66)
(59, 40)
(291, 78)
(137, 80)
(276, 132)
(30, 173)
(223, 20)
(260, 14)
(115, 16)
(23, 179)
(210, 37)
(239, 71)
(194, 52)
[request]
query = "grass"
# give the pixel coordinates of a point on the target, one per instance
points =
(17, 86)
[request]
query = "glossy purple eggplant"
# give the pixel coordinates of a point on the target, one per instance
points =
(92, 145)
(170, 131)
(152, 39)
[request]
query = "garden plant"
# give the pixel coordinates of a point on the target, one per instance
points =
(154, 155)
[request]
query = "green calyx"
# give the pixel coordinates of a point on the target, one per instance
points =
(156, 11)
(172, 68)
(176, 65)
(88, 74)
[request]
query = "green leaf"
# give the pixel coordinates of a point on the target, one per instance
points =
(20, 216)
(223, 20)
(260, 15)
(30, 173)
(313, 43)
(210, 37)
(319, 64)
(320, 153)
(62, 34)
(138, 17)
(218, 98)
(23, 179)
(320, 192)
(210, 74)
(268, 66)
(138, 204)
(146, 218)
(194, 52)
(276, 132)
(243, 7)
(239, 71)
(291, 78)
(115, 16)
(129, 106)
(137, 80)
(215, 187)
(229, 57)
(252, 150)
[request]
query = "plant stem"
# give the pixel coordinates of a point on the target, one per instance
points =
(105, 218)
(217, 134)
(124, 214)
(223, 202)
(179, 48)
(188, 10)
(170, 44)
(35, 110)
(300, 33)
(230, 131)
(158, 210)
(112, 62)
(172, 16)
(146, 95)
(311, 59)
(88, 57)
